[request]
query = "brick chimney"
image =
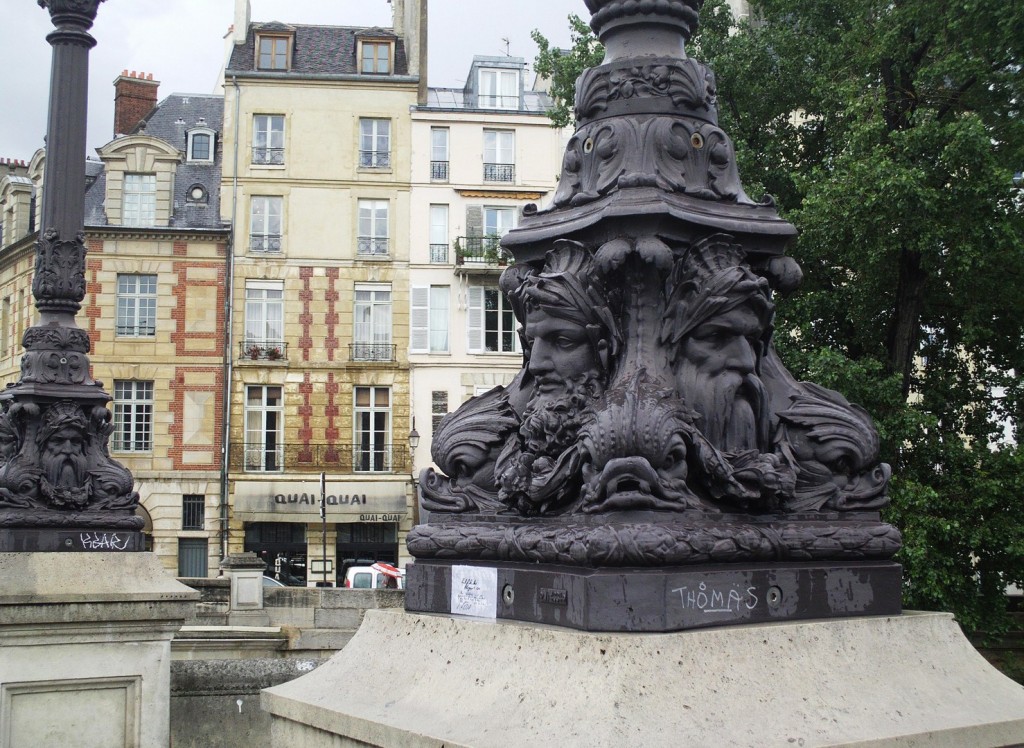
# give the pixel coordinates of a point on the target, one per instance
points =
(134, 98)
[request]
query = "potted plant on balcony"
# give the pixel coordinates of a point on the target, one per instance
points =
(253, 351)
(273, 352)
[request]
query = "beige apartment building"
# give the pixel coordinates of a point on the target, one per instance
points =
(154, 305)
(317, 185)
(480, 154)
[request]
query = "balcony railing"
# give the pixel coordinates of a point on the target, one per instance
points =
(439, 171)
(376, 246)
(141, 330)
(263, 350)
(265, 156)
(499, 172)
(480, 250)
(371, 351)
(314, 458)
(497, 101)
(439, 253)
(268, 243)
(375, 159)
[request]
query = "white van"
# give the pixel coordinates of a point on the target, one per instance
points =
(367, 578)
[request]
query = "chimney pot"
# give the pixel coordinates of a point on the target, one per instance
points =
(135, 95)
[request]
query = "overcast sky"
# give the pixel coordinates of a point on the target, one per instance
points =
(181, 42)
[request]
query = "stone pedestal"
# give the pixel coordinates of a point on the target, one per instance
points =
(420, 680)
(245, 570)
(85, 649)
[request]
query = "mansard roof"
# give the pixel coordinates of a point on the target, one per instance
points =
(318, 50)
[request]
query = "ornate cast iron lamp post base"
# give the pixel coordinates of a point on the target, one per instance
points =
(59, 488)
(654, 466)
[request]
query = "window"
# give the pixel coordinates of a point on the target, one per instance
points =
(375, 143)
(439, 233)
(265, 224)
(268, 139)
(200, 145)
(373, 228)
(138, 200)
(439, 154)
(429, 314)
(372, 450)
(264, 428)
(499, 156)
(371, 335)
(499, 221)
(193, 511)
(136, 305)
(375, 58)
(491, 322)
(273, 53)
(499, 89)
(264, 316)
(5, 328)
(133, 416)
(193, 556)
(438, 408)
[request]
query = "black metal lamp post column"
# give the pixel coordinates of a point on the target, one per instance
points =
(59, 488)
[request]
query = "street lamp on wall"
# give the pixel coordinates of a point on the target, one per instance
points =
(414, 441)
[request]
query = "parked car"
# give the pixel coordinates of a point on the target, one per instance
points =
(271, 582)
(371, 578)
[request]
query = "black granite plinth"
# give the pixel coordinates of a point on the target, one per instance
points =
(664, 599)
(69, 539)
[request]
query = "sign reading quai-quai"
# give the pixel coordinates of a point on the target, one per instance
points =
(349, 501)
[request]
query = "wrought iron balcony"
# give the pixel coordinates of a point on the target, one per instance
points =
(480, 250)
(371, 351)
(314, 458)
(268, 156)
(269, 243)
(375, 159)
(263, 350)
(140, 330)
(499, 172)
(376, 246)
(439, 253)
(497, 101)
(439, 171)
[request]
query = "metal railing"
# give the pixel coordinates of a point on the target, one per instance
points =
(480, 250)
(263, 350)
(271, 156)
(313, 458)
(439, 253)
(439, 171)
(371, 351)
(265, 243)
(141, 330)
(497, 101)
(372, 245)
(499, 172)
(375, 159)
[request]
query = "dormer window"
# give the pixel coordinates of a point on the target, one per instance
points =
(499, 89)
(273, 52)
(375, 57)
(200, 145)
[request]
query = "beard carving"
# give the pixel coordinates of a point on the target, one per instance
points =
(732, 406)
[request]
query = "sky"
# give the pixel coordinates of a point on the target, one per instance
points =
(181, 42)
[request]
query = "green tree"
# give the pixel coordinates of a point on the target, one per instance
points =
(889, 133)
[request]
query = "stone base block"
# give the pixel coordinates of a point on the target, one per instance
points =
(422, 680)
(654, 600)
(85, 648)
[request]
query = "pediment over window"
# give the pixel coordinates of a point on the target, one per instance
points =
(140, 171)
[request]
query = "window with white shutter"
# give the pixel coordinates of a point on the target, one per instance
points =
(475, 319)
(429, 314)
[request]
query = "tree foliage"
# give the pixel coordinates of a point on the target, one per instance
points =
(889, 133)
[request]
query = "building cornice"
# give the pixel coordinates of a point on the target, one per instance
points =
(155, 232)
(396, 81)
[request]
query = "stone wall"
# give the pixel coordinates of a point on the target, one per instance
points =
(218, 670)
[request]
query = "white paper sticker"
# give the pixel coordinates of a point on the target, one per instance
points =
(474, 591)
